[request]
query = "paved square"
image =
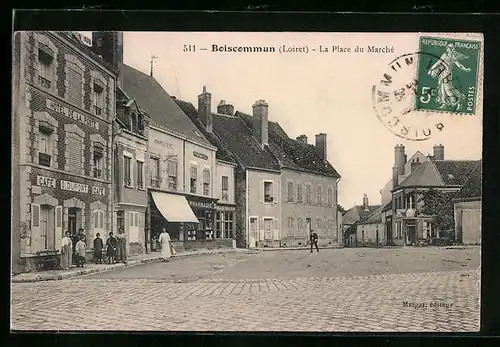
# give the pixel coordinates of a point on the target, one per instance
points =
(358, 289)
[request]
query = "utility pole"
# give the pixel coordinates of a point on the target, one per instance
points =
(152, 62)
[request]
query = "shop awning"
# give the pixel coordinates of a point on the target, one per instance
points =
(174, 207)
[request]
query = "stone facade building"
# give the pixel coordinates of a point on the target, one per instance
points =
(64, 102)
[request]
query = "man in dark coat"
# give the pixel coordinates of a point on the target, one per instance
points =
(98, 247)
(314, 241)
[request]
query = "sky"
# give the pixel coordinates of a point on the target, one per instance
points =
(307, 93)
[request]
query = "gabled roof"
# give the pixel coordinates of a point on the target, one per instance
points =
(293, 154)
(240, 141)
(439, 173)
(374, 217)
(222, 153)
(473, 188)
(159, 106)
(357, 213)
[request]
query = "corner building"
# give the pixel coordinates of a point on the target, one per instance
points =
(63, 103)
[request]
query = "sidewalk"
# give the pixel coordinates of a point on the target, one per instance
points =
(91, 268)
(301, 248)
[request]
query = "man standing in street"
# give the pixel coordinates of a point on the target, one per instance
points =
(314, 241)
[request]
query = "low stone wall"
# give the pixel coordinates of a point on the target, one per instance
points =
(180, 246)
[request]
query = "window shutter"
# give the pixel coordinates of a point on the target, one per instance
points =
(58, 227)
(261, 229)
(276, 229)
(275, 191)
(35, 215)
(35, 225)
(95, 216)
(131, 219)
(262, 191)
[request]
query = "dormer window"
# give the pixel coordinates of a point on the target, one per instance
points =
(98, 97)
(133, 123)
(46, 61)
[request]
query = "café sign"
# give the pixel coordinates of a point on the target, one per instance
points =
(51, 105)
(49, 182)
(43, 181)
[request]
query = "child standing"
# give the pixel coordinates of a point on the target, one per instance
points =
(80, 252)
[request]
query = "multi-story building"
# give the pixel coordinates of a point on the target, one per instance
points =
(130, 144)
(181, 164)
(409, 222)
(269, 163)
(64, 102)
(224, 184)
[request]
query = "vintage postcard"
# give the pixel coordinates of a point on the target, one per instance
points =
(246, 181)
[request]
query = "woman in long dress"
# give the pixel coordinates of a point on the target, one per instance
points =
(66, 251)
(121, 254)
(166, 251)
(111, 245)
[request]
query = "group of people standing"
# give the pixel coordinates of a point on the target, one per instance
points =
(73, 249)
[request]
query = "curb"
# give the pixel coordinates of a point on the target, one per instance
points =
(44, 277)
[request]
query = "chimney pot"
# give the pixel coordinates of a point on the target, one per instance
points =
(260, 122)
(224, 108)
(302, 138)
(205, 109)
(321, 146)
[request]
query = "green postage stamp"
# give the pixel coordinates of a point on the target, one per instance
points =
(447, 75)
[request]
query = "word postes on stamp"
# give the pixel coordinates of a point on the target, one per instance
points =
(448, 75)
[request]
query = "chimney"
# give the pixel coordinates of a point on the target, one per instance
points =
(439, 152)
(399, 164)
(302, 138)
(109, 45)
(224, 108)
(321, 146)
(205, 109)
(365, 203)
(260, 122)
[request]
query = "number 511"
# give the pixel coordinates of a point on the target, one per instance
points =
(189, 48)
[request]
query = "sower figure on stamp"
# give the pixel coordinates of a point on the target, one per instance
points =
(314, 241)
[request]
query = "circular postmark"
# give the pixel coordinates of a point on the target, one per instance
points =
(396, 96)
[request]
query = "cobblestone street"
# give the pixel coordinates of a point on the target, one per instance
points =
(334, 290)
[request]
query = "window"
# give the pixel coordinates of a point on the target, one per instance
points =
(44, 150)
(299, 193)
(98, 97)
(224, 224)
(206, 182)
(193, 179)
(154, 171)
(268, 222)
(74, 85)
(290, 223)
(133, 229)
(290, 191)
(330, 197)
(225, 188)
(140, 171)
(44, 226)
(319, 196)
(98, 161)
(127, 163)
(268, 191)
(120, 219)
(172, 174)
(300, 223)
(46, 66)
(308, 194)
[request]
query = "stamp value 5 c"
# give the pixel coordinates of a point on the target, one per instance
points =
(447, 75)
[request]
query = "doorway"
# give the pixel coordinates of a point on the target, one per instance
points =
(253, 232)
(412, 237)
